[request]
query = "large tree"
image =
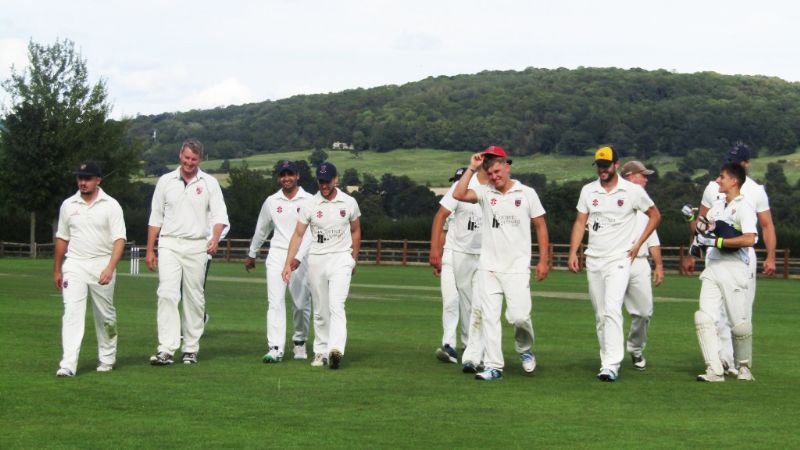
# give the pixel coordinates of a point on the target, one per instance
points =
(56, 119)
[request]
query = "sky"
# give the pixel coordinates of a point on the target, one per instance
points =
(175, 55)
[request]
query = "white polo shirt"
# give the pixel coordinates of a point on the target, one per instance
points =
(90, 229)
(187, 210)
(652, 240)
(506, 240)
(329, 222)
(612, 216)
(280, 213)
(740, 215)
(464, 232)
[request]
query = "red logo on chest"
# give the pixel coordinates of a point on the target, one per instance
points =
(199, 190)
(280, 209)
(342, 212)
(493, 201)
(595, 202)
(620, 202)
(319, 214)
(517, 202)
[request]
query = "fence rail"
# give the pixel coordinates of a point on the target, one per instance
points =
(406, 252)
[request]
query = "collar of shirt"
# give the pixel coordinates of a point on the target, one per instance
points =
(101, 195)
(622, 185)
(301, 193)
(319, 199)
(200, 174)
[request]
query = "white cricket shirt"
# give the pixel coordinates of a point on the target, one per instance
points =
(464, 232)
(740, 215)
(90, 229)
(612, 216)
(187, 210)
(280, 213)
(329, 222)
(506, 240)
(652, 240)
(753, 193)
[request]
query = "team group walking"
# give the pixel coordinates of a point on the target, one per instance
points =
(481, 248)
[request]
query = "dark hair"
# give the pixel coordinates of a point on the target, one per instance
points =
(489, 161)
(735, 170)
(194, 145)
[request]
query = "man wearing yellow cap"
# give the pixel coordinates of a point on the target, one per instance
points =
(608, 207)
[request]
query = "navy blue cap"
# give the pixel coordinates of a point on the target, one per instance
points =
(738, 153)
(286, 166)
(457, 176)
(326, 172)
(88, 169)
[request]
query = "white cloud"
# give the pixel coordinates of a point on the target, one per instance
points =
(229, 91)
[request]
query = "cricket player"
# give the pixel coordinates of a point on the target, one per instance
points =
(504, 269)
(91, 234)
(638, 298)
(756, 196)
(279, 213)
(609, 205)
(185, 202)
(333, 217)
(727, 277)
(458, 258)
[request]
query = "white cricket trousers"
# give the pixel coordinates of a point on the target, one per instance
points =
(276, 300)
(516, 288)
(638, 301)
(608, 281)
(329, 279)
(723, 329)
(726, 287)
(458, 273)
(79, 278)
(181, 270)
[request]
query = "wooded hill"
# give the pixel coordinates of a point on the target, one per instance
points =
(561, 111)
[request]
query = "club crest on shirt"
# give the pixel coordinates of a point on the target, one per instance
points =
(595, 202)
(280, 209)
(620, 202)
(493, 201)
(319, 214)
(517, 202)
(199, 190)
(342, 212)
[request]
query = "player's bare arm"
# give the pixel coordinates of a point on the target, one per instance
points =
(213, 242)
(150, 254)
(437, 243)
(58, 261)
(294, 245)
(116, 254)
(658, 262)
(543, 240)
(462, 192)
(576, 237)
(653, 219)
(770, 240)
(355, 236)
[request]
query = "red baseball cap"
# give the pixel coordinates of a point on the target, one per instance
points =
(496, 151)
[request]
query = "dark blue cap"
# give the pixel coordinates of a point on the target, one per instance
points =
(326, 172)
(88, 169)
(738, 153)
(286, 166)
(460, 171)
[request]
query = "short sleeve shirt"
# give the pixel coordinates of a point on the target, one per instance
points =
(187, 210)
(612, 216)
(464, 232)
(740, 215)
(330, 222)
(506, 230)
(90, 229)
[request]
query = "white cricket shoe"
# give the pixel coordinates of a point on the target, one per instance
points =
(64, 373)
(607, 375)
(745, 374)
(729, 369)
(319, 360)
(639, 363)
(103, 367)
(299, 350)
(711, 377)
(273, 356)
(528, 361)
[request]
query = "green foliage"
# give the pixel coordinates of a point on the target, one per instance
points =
(350, 177)
(317, 157)
(244, 196)
(55, 120)
(642, 113)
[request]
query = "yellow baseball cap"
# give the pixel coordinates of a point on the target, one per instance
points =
(605, 155)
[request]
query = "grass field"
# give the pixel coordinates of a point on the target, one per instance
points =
(434, 167)
(391, 392)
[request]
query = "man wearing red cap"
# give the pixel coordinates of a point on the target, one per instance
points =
(609, 205)
(509, 208)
